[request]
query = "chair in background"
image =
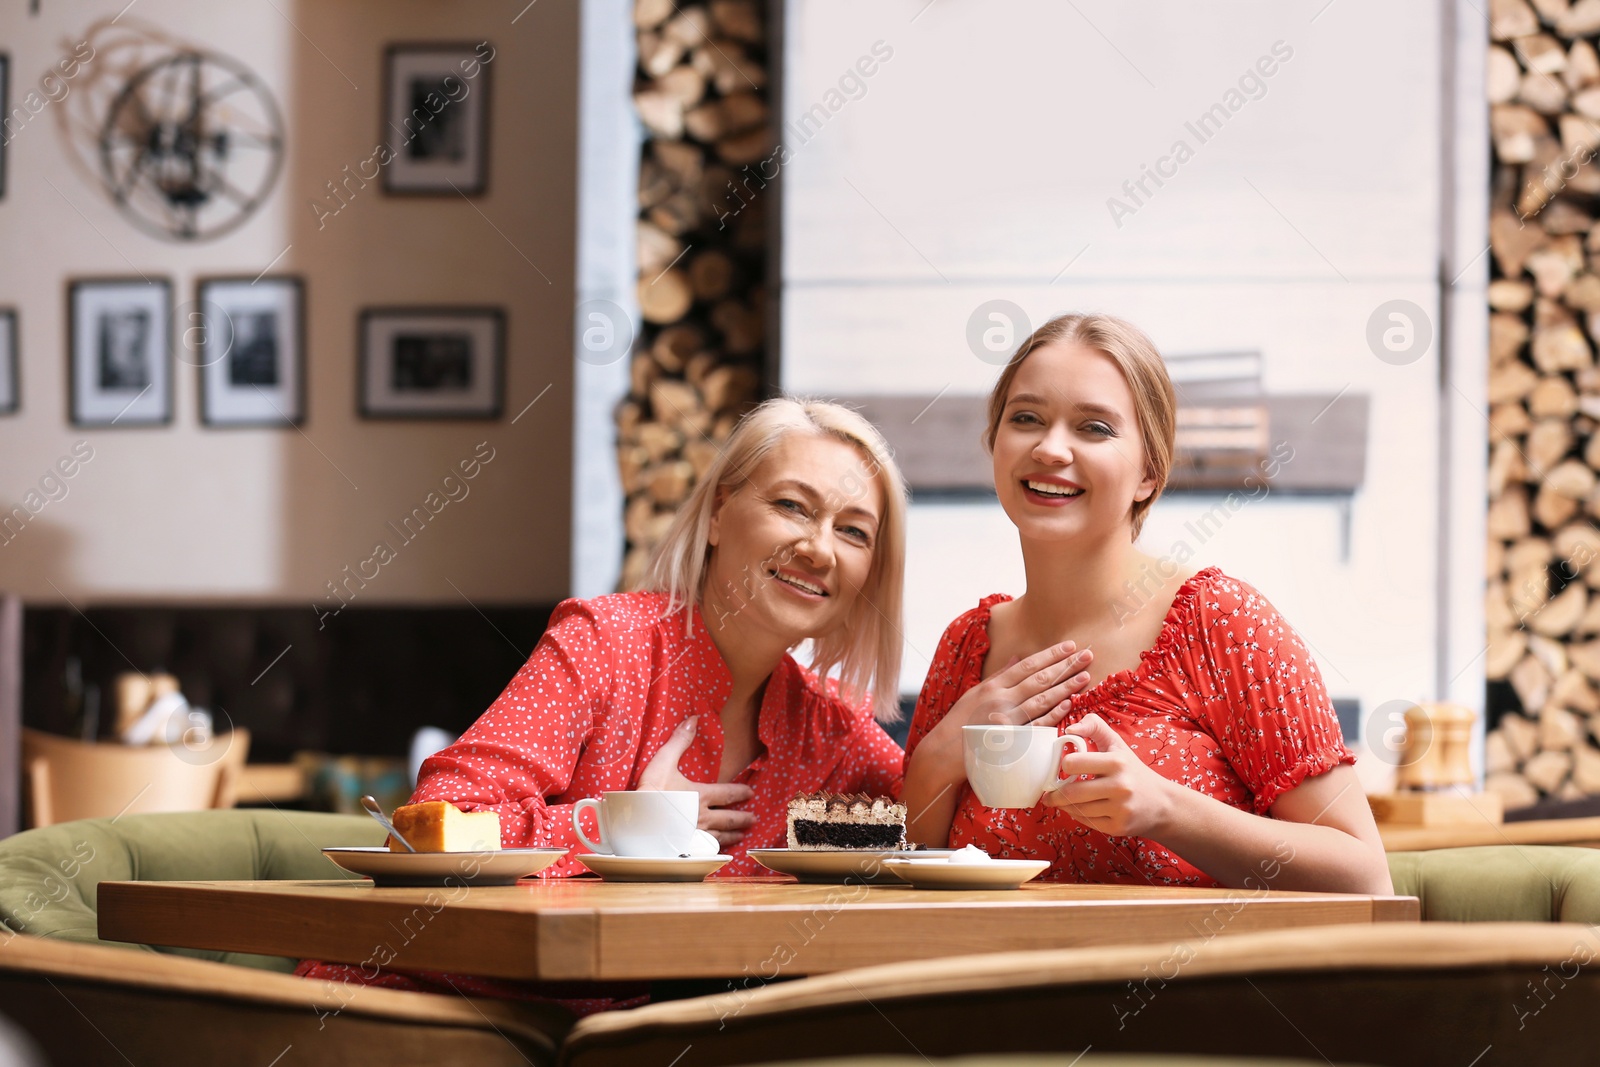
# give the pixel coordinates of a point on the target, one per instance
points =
(1412, 994)
(1063, 1059)
(69, 779)
(150, 1009)
(152, 1005)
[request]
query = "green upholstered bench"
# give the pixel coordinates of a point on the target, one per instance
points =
(1502, 883)
(49, 878)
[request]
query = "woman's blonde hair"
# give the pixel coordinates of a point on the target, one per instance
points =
(1155, 405)
(866, 649)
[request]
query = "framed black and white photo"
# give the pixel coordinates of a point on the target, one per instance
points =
(250, 347)
(436, 118)
(10, 364)
(119, 351)
(439, 363)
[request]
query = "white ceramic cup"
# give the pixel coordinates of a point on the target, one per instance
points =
(1014, 766)
(651, 823)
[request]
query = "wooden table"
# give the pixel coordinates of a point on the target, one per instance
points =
(574, 929)
(1533, 832)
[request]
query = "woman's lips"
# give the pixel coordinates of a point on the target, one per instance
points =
(1046, 498)
(800, 585)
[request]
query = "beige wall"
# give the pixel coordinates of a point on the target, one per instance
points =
(185, 512)
(898, 227)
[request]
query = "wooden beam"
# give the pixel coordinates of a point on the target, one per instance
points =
(937, 441)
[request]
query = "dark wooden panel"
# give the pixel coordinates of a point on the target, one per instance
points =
(361, 681)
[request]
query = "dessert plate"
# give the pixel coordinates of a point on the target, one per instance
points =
(942, 874)
(387, 868)
(652, 868)
(856, 866)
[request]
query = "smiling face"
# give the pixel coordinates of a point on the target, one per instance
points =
(1069, 461)
(793, 546)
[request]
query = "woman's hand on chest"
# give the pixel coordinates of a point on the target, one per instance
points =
(727, 826)
(1035, 691)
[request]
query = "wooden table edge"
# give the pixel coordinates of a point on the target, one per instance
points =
(553, 948)
(567, 943)
(1584, 833)
(1396, 909)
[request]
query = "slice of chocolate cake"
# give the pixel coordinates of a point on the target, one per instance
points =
(834, 821)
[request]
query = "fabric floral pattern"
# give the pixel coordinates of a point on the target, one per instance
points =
(1227, 702)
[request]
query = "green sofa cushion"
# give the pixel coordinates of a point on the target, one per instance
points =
(50, 877)
(1502, 883)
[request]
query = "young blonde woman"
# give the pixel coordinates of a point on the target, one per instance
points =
(796, 533)
(1216, 757)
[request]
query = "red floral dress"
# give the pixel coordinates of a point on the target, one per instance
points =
(609, 681)
(1227, 702)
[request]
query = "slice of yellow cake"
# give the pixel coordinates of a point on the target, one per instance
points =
(438, 826)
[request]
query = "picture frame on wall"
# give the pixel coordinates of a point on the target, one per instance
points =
(10, 364)
(432, 363)
(119, 351)
(250, 349)
(436, 119)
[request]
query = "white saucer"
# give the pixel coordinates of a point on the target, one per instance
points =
(855, 866)
(942, 874)
(652, 868)
(502, 867)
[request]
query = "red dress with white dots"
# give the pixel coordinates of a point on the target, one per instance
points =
(1227, 702)
(609, 681)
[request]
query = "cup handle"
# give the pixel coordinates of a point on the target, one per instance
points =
(1059, 749)
(577, 824)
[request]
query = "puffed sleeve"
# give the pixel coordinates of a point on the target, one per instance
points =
(1265, 701)
(525, 747)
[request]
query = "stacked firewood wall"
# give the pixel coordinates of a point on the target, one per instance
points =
(701, 94)
(1544, 395)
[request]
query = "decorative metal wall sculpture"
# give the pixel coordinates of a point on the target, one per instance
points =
(191, 146)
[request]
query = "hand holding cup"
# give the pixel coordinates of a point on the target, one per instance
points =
(1111, 789)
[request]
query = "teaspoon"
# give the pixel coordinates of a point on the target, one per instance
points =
(375, 810)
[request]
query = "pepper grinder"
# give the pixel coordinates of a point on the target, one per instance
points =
(1437, 753)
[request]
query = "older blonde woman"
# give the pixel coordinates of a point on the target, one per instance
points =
(795, 534)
